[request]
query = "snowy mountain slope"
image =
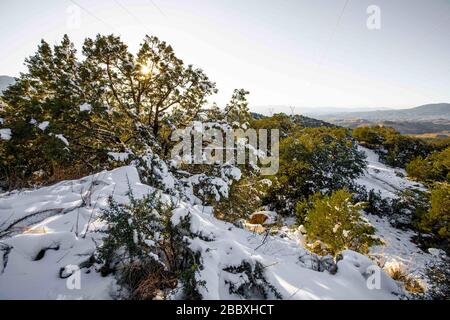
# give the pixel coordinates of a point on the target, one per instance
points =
(398, 247)
(382, 178)
(45, 230)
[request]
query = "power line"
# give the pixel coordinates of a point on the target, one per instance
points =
(328, 43)
(131, 14)
(333, 33)
(94, 16)
(157, 8)
(330, 40)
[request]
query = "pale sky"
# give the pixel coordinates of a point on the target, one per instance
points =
(316, 53)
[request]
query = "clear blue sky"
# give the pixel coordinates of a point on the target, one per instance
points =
(303, 53)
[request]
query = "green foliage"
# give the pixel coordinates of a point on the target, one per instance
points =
(409, 207)
(435, 167)
(278, 121)
(438, 277)
(439, 144)
(312, 160)
(129, 102)
(437, 219)
(395, 149)
(404, 211)
(245, 197)
(373, 136)
(336, 221)
(146, 250)
(253, 284)
(403, 149)
(48, 92)
(377, 205)
(236, 111)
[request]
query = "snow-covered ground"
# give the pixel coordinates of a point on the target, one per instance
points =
(383, 178)
(398, 247)
(61, 220)
(44, 231)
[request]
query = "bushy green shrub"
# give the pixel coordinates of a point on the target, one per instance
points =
(312, 160)
(435, 167)
(253, 284)
(337, 222)
(402, 149)
(437, 219)
(373, 137)
(409, 207)
(394, 149)
(236, 111)
(146, 251)
(245, 197)
(438, 276)
(278, 121)
(73, 112)
(377, 205)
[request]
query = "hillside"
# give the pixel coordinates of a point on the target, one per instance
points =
(304, 121)
(421, 113)
(120, 178)
(48, 229)
(427, 119)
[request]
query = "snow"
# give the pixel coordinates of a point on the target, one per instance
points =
(230, 246)
(85, 107)
(383, 178)
(68, 224)
(398, 247)
(62, 138)
(5, 134)
(43, 125)
(119, 156)
(63, 219)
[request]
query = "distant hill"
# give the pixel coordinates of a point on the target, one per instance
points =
(430, 118)
(308, 122)
(302, 120)
(439, 111)
(5, 82)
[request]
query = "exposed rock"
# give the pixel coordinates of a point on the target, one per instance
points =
(263, 217)
(314, 262)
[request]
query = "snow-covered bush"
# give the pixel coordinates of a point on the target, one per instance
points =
(337, 222)
(405, 210)
(146, 251)
(72, 111)
(396, 271)
(437, 219)
(249, 281)
(438, 276)
(314, 160)
(245, 197)
(394, 149)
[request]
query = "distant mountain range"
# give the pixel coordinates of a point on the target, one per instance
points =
(431, 119)
(428, 112)
(5, 82)
(422, 120)
(308, 111)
